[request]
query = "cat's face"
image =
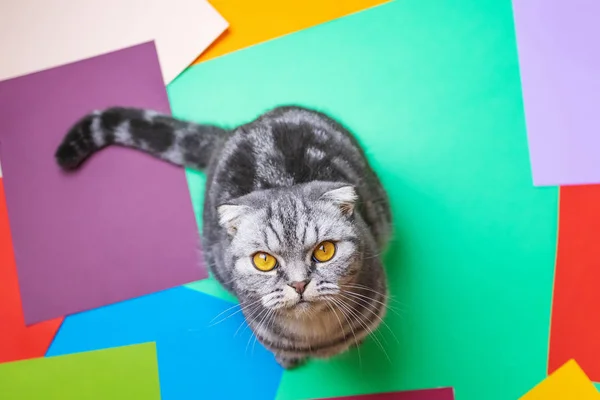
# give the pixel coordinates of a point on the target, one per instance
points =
(293, 248)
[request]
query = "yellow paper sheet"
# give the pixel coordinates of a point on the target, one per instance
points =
(256, 21)
(569, 382)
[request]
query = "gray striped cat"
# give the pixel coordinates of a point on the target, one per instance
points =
(295, 219)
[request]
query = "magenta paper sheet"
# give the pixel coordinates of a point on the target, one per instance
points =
(559, 56)
(120, 227)
(446, 393)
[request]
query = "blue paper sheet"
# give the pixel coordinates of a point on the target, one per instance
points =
(198, 356)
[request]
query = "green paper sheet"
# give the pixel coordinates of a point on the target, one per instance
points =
(432, 90)
(121, 373)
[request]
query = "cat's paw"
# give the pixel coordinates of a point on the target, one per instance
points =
(289, 362)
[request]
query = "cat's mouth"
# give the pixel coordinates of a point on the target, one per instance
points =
(303, 307)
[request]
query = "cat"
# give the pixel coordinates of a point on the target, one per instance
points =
(295, 218)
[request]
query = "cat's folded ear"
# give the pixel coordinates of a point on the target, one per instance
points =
(345, 197)
(230, 216)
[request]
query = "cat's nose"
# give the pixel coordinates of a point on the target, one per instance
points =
(299, 286)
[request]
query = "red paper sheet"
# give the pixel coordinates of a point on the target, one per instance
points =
(575, 329)
(17, 342)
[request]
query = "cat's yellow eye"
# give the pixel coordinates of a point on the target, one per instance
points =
(264, 261)
(324, 252)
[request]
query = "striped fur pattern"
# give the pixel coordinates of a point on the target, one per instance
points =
(280, 184)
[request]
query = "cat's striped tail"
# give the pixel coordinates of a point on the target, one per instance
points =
(181, 143)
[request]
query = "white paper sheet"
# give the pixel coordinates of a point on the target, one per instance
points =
(40, 34)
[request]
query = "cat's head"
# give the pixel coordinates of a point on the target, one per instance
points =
(293, 247)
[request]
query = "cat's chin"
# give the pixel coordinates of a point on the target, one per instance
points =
(303, 305)
(304, 308)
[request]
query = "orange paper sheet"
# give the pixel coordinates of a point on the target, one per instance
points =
(252, 22)
(569, 382)
(17, 341)
(575, 327)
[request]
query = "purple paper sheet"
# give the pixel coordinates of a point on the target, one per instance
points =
(120, 227)
(559, 54)
(446, 393)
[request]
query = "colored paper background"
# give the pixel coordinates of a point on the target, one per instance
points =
(204, 350)
(428, 394)
(253, 22)
(575, 325)
(71, 30)
(567, 382)
(17, 341)
(432, 90)
(123, 373)
(559, 54)
(123, 223)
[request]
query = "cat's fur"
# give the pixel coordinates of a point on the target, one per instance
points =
(282, 183)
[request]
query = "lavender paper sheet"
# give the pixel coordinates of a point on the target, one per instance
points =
(559, 55)
(120, 227)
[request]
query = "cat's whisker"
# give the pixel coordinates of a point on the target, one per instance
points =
(252, 335)
(265, 311)
(342, 330)
(386, 305)
(366, 305)
(328, 290)
(358, 319)
(368, 309)
(363, 287)
(349, 292)
(372, 256)
(266, 317)
(273, 300)
(353, 316)
(224, 311)
(271, 320)
(360, 286)
(242, 308)
(278, 304)
(346, 289)
(326, 285)
(245, 323)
